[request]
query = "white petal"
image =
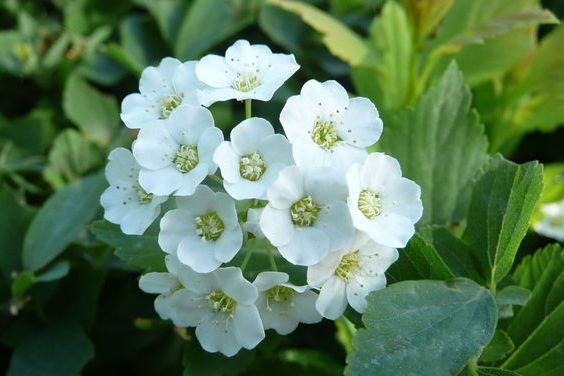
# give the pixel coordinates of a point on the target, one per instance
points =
(197, 254)
(332, 300)
(232, 282)
(247, 135)
(282, 67)
(389, 229)
(308, 155)
(175, 225)
(307, 247)
(187, 123)
(297, 118)
(196, 282)
(344, 156)
(167, 67)
(276, 225)
(138, 112)
(266, 280)
(151, 84)
(121, 166)
(325, 186)
(216, 335)
(207, 144)
(362, 125)
(191, 180)
(187, 308)
(202, 201)
(402, 196)
(162, 306)
(161, 182)
(304, 308)
(214, 71)
(154, 148)
(227, 246)
(139, 218)
(228, 161)
(117, 202)
(247, 326)
(319, 273)
(245, 189)
(158, 283)
(328, 96)
(241, 57)
(276, 149)
(208, 96)
(377, 168)
(336, 223)
(287, 188)
(224, 206)
(186, 82)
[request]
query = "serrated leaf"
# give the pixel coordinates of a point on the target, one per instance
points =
(404, 321)
(61, 350)
(502, 203)
(549, 364)
(60, 220)
(207, 23)
(70, 157)
(337, 37)
(440, 145)
(499, 347)
(419, 260)
(492, 371)
(137, 251)
(96, 114)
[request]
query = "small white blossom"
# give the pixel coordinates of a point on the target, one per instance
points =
(326, 128)
(306, 216)
(246, 72)
(552, 225)
(221, 307)
(124, 201)
(177, 156)
(252, 224)
(253, 159)
(203, 232)
(348, 275)
(161, 90)
(382, 203)
(282, 305)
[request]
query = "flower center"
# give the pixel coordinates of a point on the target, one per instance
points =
(220, 302)
(246, 82)
(324, 134)
(142, 196)
(304, 212)
(169, 103)
(209, 226)
(349, 264)
(186, 158)
(252, 167)
(369, 203)
(279, 293)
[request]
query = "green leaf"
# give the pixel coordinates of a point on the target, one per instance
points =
(419, 260)
(549, 364)
(168, 14)
(207, 23)
(286, 29)
(499, 347)
(492, 371)
(513, 295)
(137, 251)
(441, 325)
(140, 42)
(14, 219)
(60, 220)
(22, 283)
(539, 273)
(441, 145)
(96, 114)
(61, 350)
(70, 157)
(502, 202)
(56, 271)
(337, 37)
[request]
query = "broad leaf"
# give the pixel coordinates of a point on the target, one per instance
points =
(60, 220)
(492, 371)
(440, 325)
(58, 350)
(502, 203)
(137, 251)
(499, 347)
(96, 114)
(441, 145)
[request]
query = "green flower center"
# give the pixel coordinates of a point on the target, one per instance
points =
(252, 167)
(369, 203)
(245, 82)
(169, 103)
(349, 264)
(142, 196)
(324, 134)
(304, 212)
(186, 158)
(209, 226)
(279, 293)
(220, 302)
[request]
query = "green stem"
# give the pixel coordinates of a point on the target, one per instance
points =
(246, 259)
(216, 178)
(248, 108)
(271, 259)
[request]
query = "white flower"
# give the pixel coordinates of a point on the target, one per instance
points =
(246, 72)
(306, 216)
(326, 128)
(382, 203)
(253, 159)
(203, 232)
(162, 89)
(282, 306)
(252, 224)
(221, 307)
(124, 201)
(552, 225)
(177, 156)
(349, 275)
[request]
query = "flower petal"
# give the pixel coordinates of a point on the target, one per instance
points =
(276, 225)
(332, 300)
(247, 326)
(307, 246)
(158, 283)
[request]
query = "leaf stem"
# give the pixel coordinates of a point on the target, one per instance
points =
(248, 108)
(271, 259)
(246, 259)
(216, 178)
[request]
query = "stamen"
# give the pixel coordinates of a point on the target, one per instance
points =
(304, 212)
(369, 203)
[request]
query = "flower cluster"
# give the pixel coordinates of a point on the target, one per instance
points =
(315, 198)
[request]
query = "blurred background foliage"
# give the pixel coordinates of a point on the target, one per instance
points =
(68, 304)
